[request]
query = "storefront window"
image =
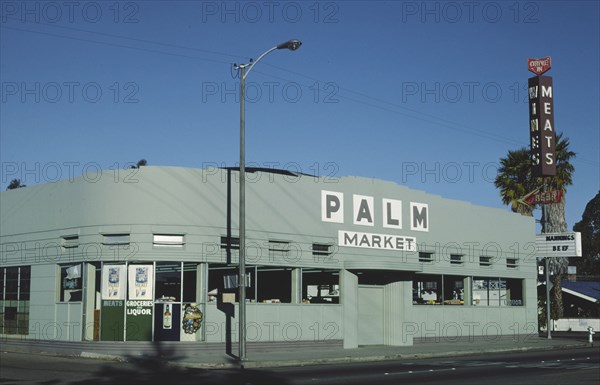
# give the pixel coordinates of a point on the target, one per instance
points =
(190, 274)
(168, 281)
(14, 299)
(222, 283)
(71, 283)
(144, 302)
(320, 286)
(273, 284)
(24, 283)
(487, 291)
(454, 290)
(451, 290)
(427, 289)
(514, 292)
(268, 284)
(12, 283)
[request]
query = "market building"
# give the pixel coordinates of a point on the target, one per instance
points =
(150, 254)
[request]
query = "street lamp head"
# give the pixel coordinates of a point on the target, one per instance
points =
(292, 45)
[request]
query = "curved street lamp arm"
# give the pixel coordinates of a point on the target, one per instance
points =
(292, 45)
(253, 63)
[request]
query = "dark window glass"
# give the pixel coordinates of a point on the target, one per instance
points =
(320, 286)
(189, 282)
(427, 289)
(12, 283)
(71, 283)
(168, 281)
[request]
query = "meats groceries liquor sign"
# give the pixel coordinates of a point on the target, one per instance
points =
(386, 212)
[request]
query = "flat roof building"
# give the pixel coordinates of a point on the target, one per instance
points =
(151, 254)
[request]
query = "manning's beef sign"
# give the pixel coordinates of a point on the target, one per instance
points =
(542, 138)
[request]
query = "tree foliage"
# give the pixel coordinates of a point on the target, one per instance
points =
(140, 163)
(589, 227)
(515, 180)
(14, 184)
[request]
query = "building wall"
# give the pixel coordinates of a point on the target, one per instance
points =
(275, 322)
(202, 205)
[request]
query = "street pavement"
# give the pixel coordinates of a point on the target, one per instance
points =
(294, 354)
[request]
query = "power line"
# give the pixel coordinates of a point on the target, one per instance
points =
(404, 111)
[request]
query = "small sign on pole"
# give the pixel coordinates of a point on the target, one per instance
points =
(558, 244)
(539, 66)
(544, 197)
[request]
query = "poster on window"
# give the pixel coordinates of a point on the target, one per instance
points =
(114, 281)
(141, 278)
(72, 279)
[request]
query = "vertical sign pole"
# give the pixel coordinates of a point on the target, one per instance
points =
(547, 260)
(548, 318)
(542, 141)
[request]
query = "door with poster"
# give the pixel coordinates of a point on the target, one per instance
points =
(138, 321)
(167, 321)
(112, 308)
(167, 301)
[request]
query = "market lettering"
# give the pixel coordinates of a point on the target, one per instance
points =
(363, 208)
(364, 212)
(376, 241)
(418, 216)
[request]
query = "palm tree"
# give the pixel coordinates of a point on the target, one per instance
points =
(515, 180)
(553, 217)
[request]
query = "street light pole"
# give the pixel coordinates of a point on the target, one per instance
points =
(242, 219)
(292, 45)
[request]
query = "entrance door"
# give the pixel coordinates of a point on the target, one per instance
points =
(370, 315)
(167, 321)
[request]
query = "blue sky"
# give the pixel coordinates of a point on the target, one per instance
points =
(427, 94)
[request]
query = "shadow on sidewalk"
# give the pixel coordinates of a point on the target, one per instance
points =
(160, 368)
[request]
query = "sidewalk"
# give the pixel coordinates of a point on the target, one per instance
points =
(259, 358)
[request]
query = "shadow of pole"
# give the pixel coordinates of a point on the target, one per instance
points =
(229, 310)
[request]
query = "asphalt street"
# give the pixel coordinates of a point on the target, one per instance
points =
(579, 366)
(569, 366)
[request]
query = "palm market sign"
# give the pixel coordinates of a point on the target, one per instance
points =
(365, 214)
(542, 137)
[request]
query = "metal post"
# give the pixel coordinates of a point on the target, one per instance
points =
(242, 253)
(292, 45)
(548, 318)
(547, 260)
